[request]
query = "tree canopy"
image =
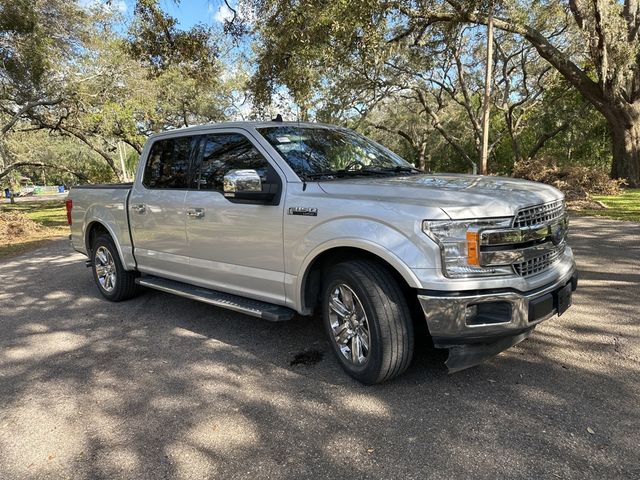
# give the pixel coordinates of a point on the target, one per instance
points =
(593, 46)
(82, 83)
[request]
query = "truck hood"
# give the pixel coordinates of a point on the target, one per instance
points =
(459, 196)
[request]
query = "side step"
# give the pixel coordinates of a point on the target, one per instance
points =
(255, 308)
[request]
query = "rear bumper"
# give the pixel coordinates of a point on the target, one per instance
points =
(479, 324)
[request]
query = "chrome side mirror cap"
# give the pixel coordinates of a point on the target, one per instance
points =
(237, 182)
(246, 186)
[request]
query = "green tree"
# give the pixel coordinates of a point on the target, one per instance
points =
(606, 72)
(37, 38)
(127, 88)
(598, 52)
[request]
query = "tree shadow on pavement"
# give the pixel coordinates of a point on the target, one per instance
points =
(163, 387)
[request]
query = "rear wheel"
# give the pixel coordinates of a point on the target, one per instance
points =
(114, 282)
(368, 322)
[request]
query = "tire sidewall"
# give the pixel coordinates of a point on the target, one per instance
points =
(105, 242)
(366, 373)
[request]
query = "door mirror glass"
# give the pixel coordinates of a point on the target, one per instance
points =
(239, 182)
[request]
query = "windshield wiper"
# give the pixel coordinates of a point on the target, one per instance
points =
(400, 169)
(361, 171)
(342, 173)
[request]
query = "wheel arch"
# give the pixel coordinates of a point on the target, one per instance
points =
(93, 230)
(316, 264)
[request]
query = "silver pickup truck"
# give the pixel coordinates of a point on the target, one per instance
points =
(275, 219)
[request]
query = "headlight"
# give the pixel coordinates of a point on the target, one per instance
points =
(458, 243)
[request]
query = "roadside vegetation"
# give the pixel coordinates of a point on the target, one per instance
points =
(83, 85)
(625, 206)
(26, 225)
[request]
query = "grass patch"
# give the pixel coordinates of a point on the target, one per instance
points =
(625, 206)
(49, 216)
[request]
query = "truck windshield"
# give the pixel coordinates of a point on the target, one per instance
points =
(326, 153)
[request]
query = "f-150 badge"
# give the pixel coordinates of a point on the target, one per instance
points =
(304, 211)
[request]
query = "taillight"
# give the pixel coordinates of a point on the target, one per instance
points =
(69, 205)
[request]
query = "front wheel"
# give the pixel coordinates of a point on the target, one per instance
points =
(367, 319)
(114, 282)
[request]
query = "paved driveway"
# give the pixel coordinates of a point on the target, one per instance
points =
(161, 386)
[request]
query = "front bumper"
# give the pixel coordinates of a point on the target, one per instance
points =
(477, 325)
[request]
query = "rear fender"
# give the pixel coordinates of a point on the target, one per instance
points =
(117, 228)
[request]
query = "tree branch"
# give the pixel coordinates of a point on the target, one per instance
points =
(402, 133)
(445, 134)
(28, 106)
(18, 165)
(574, 74)
(544, 138)
(631, 12)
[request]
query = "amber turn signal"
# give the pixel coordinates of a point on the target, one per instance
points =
(473, 247)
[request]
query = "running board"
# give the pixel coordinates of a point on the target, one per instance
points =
(255, 308)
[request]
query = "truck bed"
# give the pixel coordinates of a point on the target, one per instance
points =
(106, 204)
(100, 186)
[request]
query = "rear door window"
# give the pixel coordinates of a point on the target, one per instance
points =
(168, 163)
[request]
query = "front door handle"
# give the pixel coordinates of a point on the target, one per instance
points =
(140, 208)
(195, 212)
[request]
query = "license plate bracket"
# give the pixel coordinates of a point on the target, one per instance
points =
(563, 299)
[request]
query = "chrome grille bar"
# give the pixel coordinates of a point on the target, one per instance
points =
(533, 244)
(517, 256)
(538, 264)
(539, 214)
(512, 236)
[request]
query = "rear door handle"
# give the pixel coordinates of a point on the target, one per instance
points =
(195, 212)
(140, 208)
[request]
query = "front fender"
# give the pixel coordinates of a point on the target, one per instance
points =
(403, 251)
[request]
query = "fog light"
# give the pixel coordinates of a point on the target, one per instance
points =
(487, 313)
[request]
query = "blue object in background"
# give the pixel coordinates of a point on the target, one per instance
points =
(61, 189)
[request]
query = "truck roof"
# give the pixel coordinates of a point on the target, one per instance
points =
(252, 124)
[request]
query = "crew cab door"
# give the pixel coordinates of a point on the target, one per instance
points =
(234, 246)
(156, 208)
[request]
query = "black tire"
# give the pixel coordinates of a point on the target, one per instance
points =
(124, 286)
(390, 327)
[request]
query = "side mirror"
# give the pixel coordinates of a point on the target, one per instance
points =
(247, 185)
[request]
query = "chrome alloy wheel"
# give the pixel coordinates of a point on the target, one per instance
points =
(349, 324)
(105, 269)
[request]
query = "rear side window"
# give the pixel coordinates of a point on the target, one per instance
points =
(222, 153)
(168, 163)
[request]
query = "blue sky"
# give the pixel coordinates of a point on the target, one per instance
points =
(188, 12)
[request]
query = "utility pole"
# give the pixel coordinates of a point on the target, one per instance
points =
(487, 94)
(125, 178)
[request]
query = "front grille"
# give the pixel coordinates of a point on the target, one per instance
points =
(534, 216)
(540, 214)
(538, 264)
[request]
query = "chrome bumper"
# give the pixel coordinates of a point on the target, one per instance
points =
(507, 319)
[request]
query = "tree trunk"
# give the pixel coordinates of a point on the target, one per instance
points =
(422, 161)
(626, 151)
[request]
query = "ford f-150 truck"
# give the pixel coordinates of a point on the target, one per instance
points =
(274, 219)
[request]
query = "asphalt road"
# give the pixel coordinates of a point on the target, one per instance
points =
(163, 387)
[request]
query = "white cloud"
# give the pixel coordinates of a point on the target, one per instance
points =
(223, 14)
(119, 5)
(115, 5)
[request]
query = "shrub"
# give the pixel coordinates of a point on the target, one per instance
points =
(577, 182)
(14, 225)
